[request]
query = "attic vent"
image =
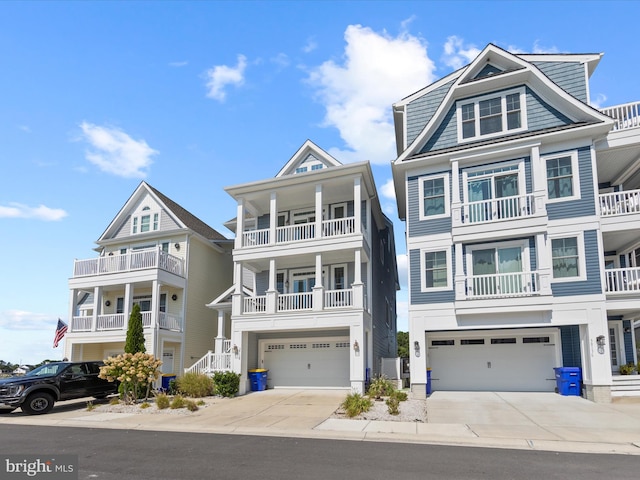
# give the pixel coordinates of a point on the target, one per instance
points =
(146, 208)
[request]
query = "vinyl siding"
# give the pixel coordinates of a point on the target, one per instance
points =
(586, 204)
(570, 339)
(166, 221)
(628, 340)
(417, 297)
(592, 284)
(421, 110)
(417, 227)
(570, 76)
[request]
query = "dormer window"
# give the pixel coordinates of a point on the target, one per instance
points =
(492, 115)
(147, 221)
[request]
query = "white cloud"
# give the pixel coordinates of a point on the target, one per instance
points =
(41, 212)
(182, 63)
(221, 76)
(310, 46)
(281, 60)
(598, 102)
(21, 320)
(24, 128)
(401, 261)
(457, 54)
(537, 48)
(116, 152)
(388, 190)
(357, 93)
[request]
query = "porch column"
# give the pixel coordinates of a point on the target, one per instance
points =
(544, 264)
(219, 342)
(97, 307)
(456, 203)
(155, 309)
(357, 204)
(460, 279)
(273, 217)
(239, 223)
(357, 286)
(73, 309)
(318, 226)
(318, 288)
(539, 177)
(357, 348)
(236, 299)
(272, 293)
(128, 298)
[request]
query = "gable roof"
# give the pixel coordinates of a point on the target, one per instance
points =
(307, 148)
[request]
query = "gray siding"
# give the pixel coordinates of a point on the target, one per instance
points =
(419, 227)
(421, 110)
(628, 341)
(592, 284)
(416, 297)
(446, 135)
(570, 340)
(586, 204)
(570, 76)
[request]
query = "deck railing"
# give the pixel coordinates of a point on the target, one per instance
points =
(255, 304)
(496, 209)
(338, 226)
(520, 284)
(118, 321)
(288, 302)
(254, 238)
(211, 362)
(295, 233)
(167, 321)
(619, 203)
(338, 298)
(81, 324)
(114, 321)
(626, 116)
(623, 280)
(131, 261)
(300, 232)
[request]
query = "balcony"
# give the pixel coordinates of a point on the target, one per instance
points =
(503, 285)
(626, 116)
(496, 209)
(622, 280)
(300, 232)
(619, 203)
(129, 262)
(118, 321)
(294, 302)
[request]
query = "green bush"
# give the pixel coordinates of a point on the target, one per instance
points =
(400, 395)
(381, 387)
(393, 405)
(191, 405)
(195, 385)
(226, 384)
(178, 402)
(627, 369)
(355, 404)
(144, 405)
(173, 386)
(162, 401)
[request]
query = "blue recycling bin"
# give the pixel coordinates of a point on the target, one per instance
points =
(428, 381)
(166, 381)
(568, 380)
(258, 379)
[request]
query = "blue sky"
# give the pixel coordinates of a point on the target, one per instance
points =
(196, 96)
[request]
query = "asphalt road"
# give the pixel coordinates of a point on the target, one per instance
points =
(141, 455)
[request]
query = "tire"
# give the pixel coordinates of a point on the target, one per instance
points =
(38, 403)
(6, 410)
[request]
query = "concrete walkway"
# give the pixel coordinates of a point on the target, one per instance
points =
(534, 421)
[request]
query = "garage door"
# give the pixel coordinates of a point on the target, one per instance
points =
(493, 362)
(307, 363)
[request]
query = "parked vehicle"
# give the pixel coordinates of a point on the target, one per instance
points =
(37, 391)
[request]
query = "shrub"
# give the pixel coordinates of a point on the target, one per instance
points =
(90, 406)
(226, 384)
(400, 395)
(201, 403)
(145, 405)
(162, 401)
(135, 372)
(195, 385)
(381, 387)
(178, 402)
(393, 405)
(355, 404)
(191, 405)
(173, 386)
(627, 369)
(135, 332)
(114, 401)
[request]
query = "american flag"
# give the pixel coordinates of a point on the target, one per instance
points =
(60, 331)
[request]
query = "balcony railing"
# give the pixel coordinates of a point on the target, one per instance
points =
(495, 209)
(118, 321)
(211, 362)
(338, 298)
(626, 116)
(499, 285)
(127, 262)
(288, 302)
(255, 304)
(300, 232)
(295, 233)
(623, 280)
(619, 203)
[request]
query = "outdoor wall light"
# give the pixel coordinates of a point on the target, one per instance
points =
(600, 340)
(174, 297)
(235, 349)
(356, 346)
(416, 347)
(108, 303)
(177, 246)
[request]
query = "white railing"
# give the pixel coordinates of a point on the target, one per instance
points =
(619, 203)
(625, 116)
(211, 362)
(147, 319)
(166, 321)
(81, 324)
(495, 209)
(338, 298)
(623, 280)
(114, 321)
(295, 233)
(255, 304)
(226, 346)
(338, 226)
(141, 260)
(295, 301)
(520, 284)
(253, 238)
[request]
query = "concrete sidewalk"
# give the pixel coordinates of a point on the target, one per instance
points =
(534, 421)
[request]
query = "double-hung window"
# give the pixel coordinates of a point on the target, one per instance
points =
(492, 115)
(434, 196)
(146, 221)
(562, 177)
(436, 273)
(567, 258)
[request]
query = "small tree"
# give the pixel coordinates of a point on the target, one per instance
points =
(135, 372)
(135, 332)
(403, 344)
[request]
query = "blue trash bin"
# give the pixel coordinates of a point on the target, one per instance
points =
(258, 379)
(166, 381)
(568, 380)
(428, 381)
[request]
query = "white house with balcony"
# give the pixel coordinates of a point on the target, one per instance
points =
(522, 214)
(315, 278)
(156, 254)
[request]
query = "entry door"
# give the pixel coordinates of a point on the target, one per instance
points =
(167, 360)
(615, 346)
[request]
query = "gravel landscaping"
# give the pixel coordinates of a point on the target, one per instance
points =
(411, 410)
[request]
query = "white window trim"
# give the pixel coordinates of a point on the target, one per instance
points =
(423, 277)
(447, 196)
(523, 244)
(338, 205)
(575, 176)
(138, 216)
(582, 262)
(522, 185)
(333, 275)
(476, 109)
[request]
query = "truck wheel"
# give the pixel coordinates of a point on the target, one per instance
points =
(38, 403)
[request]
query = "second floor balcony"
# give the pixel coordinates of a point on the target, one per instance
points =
(119, 322)
(300, 232)
(128, 262)
(304, 301)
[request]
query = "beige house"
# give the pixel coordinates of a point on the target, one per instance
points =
(156, 254)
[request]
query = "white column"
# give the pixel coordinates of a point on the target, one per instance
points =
(236, 298)
(273, 217)
(544, 264)
(97, 307)
(155, 309)
(357, 286)
(460, 279)
(357, 348)
(73, 308)
(318, 288)
(357, 204)
(272, 293)
(219, 342)
(538, 174)
(318, 210)
(457, 212)
(128, 303)
(239, 223)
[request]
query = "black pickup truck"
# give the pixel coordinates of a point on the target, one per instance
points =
(38, 390)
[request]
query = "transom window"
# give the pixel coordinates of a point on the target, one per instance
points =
(434, 196)
(491, 115)
(562, 179)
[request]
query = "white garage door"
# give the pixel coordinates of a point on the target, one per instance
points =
(493, 362)
(306, 363)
